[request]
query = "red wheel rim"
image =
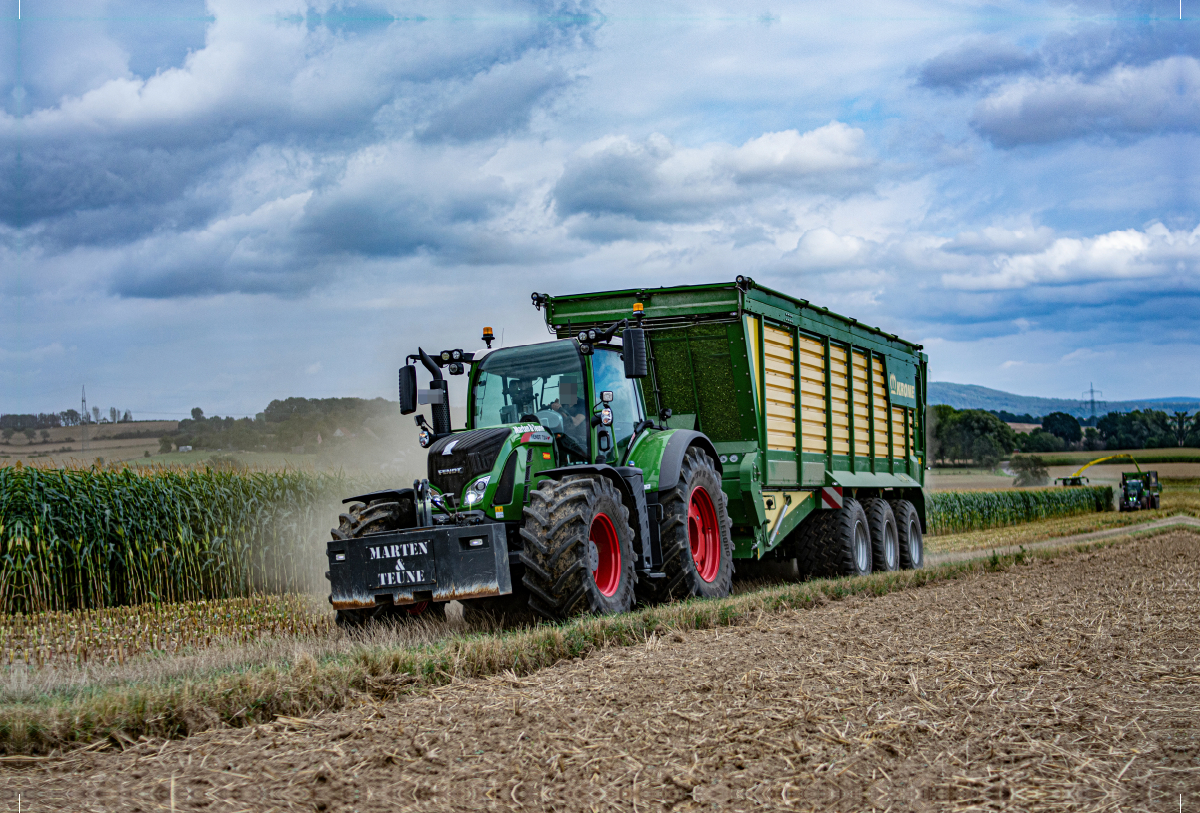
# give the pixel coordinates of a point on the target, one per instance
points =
(416, 608)
(604, 553)
(704, 536)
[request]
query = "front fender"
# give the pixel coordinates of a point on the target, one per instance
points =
(660, 456)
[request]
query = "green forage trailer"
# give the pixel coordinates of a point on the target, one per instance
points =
(661, 437)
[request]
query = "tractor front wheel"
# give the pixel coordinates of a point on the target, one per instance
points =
(578, 552)
(697, 544)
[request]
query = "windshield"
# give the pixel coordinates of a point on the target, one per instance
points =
(517, 383)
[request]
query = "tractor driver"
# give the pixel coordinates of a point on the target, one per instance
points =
(567, 404)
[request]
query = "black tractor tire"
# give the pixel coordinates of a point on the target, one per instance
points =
(908, 533)
(833, 543)
(378, 516)
(688, 547)
(885, 544)
(578, 552)
(1157, 501)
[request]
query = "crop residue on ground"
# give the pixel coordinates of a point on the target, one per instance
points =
(1068, 683)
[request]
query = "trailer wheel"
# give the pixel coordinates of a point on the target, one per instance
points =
(835, 543)
(578, 552)
(908, 532)
(359, 520)
(885, 547)
(696, 538)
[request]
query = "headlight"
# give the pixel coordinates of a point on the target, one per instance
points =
(475, 492)
(424, 439)
(606, 416)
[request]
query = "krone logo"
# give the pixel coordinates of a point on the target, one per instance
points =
(900, 389)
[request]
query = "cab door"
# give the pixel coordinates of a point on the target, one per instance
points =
(608, 373)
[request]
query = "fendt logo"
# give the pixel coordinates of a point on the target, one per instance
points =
(899, 388)
(455, 470)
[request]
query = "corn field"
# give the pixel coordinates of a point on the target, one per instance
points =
(92, 538)
(960, 511)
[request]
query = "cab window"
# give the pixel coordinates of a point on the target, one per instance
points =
(608, 373)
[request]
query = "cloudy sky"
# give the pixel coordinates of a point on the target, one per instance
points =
(222, 203)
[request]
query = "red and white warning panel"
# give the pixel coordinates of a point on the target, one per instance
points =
(832, 497)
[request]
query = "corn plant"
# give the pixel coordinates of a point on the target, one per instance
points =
(959, 511)
(92, 538)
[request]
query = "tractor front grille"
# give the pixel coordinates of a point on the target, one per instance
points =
(458, 459)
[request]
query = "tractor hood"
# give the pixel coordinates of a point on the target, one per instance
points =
(457, 459)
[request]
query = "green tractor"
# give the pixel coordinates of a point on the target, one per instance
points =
(1140, 490)
(661, 437)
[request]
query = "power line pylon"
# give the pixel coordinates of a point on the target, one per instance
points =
(1090, 393)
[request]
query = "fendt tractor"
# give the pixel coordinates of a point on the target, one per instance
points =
(663, 436)
(1140, 490)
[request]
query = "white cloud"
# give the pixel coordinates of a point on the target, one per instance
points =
(789, 155)
(1118, 255)
(821, 248)
(1162, 96)
(657, 180)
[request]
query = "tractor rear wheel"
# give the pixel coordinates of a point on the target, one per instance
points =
(695, 534)
(376, 516)
(885, 547)
(835, 543)
(578, 552)
(908, 532)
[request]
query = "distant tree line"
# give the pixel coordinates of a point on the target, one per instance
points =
(1012, 417)
(972, 436)
(958, 437)
(290, 425)
(50, 420)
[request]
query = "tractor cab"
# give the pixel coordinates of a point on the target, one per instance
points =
(584, 401)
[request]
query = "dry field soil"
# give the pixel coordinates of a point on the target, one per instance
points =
(1064, 684)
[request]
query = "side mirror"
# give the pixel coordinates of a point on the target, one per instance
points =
(606, 397)
(633, 342)
(408, 389)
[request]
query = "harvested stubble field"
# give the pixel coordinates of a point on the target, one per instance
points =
(1061, 682)
(114, 635)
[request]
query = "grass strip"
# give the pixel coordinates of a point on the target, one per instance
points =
(305, 686)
